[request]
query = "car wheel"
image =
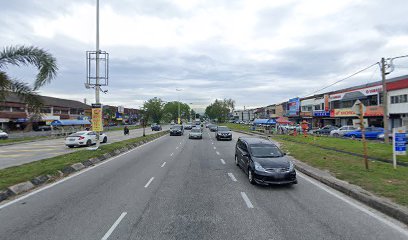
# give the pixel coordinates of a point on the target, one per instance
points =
(251, 176)
(88, 143)
(105, 140)
(71, 146)
(236, 160)
(336, 135)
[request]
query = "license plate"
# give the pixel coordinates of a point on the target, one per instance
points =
(71, 140)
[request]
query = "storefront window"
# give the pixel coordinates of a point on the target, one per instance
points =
(4, 109)
(18, 109)
(45, 110)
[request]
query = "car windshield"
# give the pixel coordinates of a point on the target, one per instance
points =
(176, 127)
(223, 129)
(195, 130)
(265, 151)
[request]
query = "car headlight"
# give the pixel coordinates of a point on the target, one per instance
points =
(291, 166)
(381, 135)
(258, 167)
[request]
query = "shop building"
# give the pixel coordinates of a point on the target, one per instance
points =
(398, 102)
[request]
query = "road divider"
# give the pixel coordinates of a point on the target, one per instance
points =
(20, 179)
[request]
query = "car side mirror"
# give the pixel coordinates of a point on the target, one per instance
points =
(284, 154)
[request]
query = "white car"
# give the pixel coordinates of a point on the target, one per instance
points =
(343, 130)
(3, 135)
(195, 133)
(84, 138)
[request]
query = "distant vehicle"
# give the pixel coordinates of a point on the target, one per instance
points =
(223, 133)
(188, 126)
(325, 130)
(176, 130)
(197, 121)
(370, 133)
(84, 138)
(212, 127)
(3, 135)
(341, 131)
(264, 162)
(195, 133)
(43, 128)
(156, 127)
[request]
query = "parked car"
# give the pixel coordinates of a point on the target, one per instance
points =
(43, 128)
(223, 133)
(188, 126)
(264, 162)
(176, 130)
(212, 127)
(370, 133)
(325, 130)
(156, 127)
(381, 136)
(84, 138)
(195, 133)
(341, 131)
(3, 135)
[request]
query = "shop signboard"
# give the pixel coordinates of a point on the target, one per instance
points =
(326, 102)
(97, 125)
(374, 90)
(399, 143)
(293, 105)
(343, 112)
(374, 111)
(321, 113)
(369, 111)
(119, 116)
(306, 114)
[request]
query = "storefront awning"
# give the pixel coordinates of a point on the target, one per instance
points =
(70, 122)
(264, 121)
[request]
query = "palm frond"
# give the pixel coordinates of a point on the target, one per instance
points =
(23, 55)
(4, 85)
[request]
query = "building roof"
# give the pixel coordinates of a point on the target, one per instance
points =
(51, 101)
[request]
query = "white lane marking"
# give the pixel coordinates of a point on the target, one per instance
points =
(110, 231)
(176, 147)
(214, 148)
(246, 199)
(73, 175)
(222, 161)
(232, 177)
(218, 153)
(359, 207)
(148, 183)
(163, 164)
(212, 143)
(180, 143)
(171, 155)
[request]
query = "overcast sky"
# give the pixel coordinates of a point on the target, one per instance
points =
(255, 52)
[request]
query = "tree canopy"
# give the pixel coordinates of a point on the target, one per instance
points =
(220, 109)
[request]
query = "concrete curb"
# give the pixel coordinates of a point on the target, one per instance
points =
(381, 204)
(76, 167)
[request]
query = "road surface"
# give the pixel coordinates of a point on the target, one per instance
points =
(21, 153)
(176, 188)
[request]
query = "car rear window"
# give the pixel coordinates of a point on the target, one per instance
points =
(265, 151)
(76, 134)
(223, 129)
(195, 130)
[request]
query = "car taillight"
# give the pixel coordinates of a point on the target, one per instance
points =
(80, 138)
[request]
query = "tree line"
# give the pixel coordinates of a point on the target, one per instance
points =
(155, 110)
(220, 110)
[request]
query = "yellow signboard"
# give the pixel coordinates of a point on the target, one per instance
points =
(97, 125)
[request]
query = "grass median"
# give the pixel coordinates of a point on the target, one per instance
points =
(380, 179)
(13, 175)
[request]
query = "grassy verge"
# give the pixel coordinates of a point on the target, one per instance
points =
(381, 179)
(120, 128)
(13, 175)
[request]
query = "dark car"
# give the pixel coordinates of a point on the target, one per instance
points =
(176, 130)
(370, 133)
(156, 127)
(223, 133)
(43, 128)
(325, 130)
(212, 127)
(264, 162)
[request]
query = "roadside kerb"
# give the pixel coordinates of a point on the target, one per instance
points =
(23, 187)
(381, 204)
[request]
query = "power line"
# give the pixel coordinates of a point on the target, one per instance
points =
(343, 79)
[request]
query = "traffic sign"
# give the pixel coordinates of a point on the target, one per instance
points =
(399, 143)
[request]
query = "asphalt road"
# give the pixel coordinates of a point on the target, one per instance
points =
(176, 188)
(18, 154)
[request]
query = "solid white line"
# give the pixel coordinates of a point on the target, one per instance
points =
(148, 183)
(110, 231)
(361, 208)
(163, 164)
(232, 177)
(246, 199)
(222, 161)
(218, 153)
(171, 154)
(73, 175)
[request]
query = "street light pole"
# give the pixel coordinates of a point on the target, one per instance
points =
(178, 119)
(97, 86)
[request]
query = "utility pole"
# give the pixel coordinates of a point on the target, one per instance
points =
(363, 135)
(385, 101)
(97, 86)
(178, 119)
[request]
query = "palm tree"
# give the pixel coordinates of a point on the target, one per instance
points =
(26, 55)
